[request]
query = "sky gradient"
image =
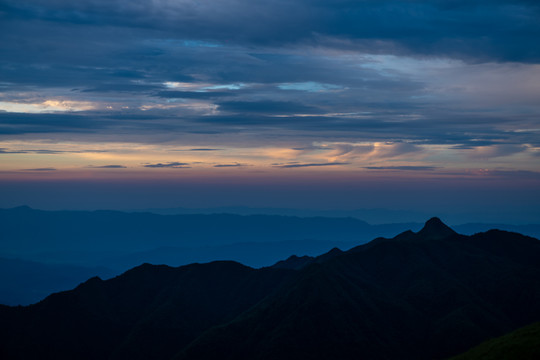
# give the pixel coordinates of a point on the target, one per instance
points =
(320, 104)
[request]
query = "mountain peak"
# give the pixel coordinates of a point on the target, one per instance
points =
(435, 229)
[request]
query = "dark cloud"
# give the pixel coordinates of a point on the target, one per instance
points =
(267, 107)
(405, 168)
(23, 123)
(198, 149)
(478, 29)
(300, 58)
(229, 165)
(47, 151)
(296, 165)
(442, 126)
(109, 167)
(7, 151)
(176, 165)
(119, 87)
(194, 94)
(41, 169)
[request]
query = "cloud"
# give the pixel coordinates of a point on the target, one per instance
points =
(194, 94)
(494, 151)
(176, 165)
(404, 167)
(48, 151)
(229, 165)
(198, 149)
(372, 79)
(396, 149)
(41, 169)
(123, 87)
(7, 151)
(293, 165)
(109, 167)
(21, 123)
(349, 149)
(270, 107)
(476, 29)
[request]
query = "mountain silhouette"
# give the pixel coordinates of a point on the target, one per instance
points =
(435, 229)
(426, 295)
(148, 312)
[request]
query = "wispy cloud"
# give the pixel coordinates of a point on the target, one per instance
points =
(229, 165)
(404, 167)
(310, 165)
(108, 167)
(7, 151)
(176, 165)
(41, 169)
(198, 149)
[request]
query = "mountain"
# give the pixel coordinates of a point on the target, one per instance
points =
(148, 312)
(532, 230)
(425, 295)
(119, 241)
(522, 344)
(93, 240)
(89, 237)
(429, 294)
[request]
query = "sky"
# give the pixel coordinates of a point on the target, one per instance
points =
(322, 104)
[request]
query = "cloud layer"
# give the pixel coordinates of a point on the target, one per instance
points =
(417, 86)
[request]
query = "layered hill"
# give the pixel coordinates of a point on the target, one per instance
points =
(426, 295)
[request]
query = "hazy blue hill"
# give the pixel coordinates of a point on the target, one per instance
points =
(118, 241)
(521, 344)
(64, 232)
(26, 282)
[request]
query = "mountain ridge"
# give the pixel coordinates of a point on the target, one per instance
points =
(412, 296)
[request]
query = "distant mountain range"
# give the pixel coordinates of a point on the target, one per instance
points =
(370, 215)
(429, 294)
(71, 246)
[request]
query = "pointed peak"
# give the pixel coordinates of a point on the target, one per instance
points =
(434, 221)
(436, 229)
(335, 251)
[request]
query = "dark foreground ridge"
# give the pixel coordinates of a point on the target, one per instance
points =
(521, 344)
(426, 295)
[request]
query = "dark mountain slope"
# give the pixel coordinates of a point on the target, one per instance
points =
(522, 344)
(425, 295)
(294, 262)
(418, 296)
(147, 313)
